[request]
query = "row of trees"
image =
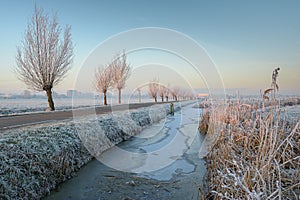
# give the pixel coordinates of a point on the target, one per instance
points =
(155, 90)
(114, 75)
(44, 58)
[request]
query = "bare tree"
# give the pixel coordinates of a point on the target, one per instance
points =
(153, 89)
(44, 58)
(175, 93)
(121, 72)
(181, 94)
(103, 81)
(188, 94)
(167, 93)
(161, 92)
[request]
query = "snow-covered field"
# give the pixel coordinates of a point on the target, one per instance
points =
(17, 106)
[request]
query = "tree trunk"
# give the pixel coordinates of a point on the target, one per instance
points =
(167, 98)
(162, 99)
(176, 98)
(155, 99)
(119, 96)
(50, 99)
(104, 99)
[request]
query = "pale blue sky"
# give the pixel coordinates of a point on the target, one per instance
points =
(245, 39)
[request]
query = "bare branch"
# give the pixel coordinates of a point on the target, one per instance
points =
(103, 80)
(175, 92)
(167, 92)
(162, 91)
(103, 77)
(43, 58)
(153, 89)
(121, 72)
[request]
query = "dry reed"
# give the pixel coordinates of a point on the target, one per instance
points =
(204, 122)
(256, 154)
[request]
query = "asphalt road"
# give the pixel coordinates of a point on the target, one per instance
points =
(22, 120)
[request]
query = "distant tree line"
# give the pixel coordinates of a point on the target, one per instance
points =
(45, 56)
(156, 89)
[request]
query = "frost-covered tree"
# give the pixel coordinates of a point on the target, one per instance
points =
(162, 91)
(44, 57)
(188, 94)
(121, 72)
(153, 89)
(103, 81)
(175, 93)
(167, 93)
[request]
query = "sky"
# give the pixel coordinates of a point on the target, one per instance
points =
(245, 40)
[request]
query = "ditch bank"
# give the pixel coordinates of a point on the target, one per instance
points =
(35, 160)
(161, 162)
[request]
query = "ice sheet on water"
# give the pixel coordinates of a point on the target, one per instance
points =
(166, 174)
(104, 131)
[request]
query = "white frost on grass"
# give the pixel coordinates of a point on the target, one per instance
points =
(126, 123)
(35, 160)
(108, 130)
(158, 112)
(251, 153)
(93, 138)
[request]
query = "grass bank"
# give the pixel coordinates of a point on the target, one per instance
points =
(35, 160)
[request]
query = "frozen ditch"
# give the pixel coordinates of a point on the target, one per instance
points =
(35, 160)
(158, 150)
(163, 153)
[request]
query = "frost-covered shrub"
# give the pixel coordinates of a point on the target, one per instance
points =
(141, 118)
(35, 160)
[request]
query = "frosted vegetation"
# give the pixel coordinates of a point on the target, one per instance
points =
(45, 54)
(254, 150)
(35, 160)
